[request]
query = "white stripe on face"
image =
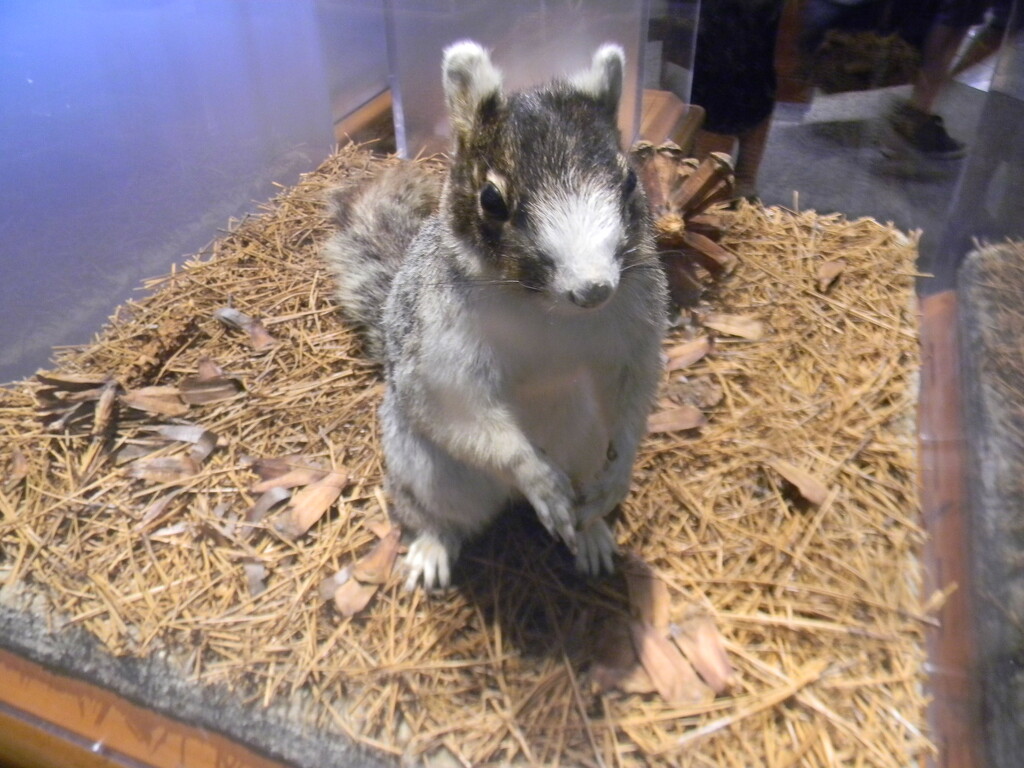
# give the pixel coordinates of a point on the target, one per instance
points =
(581, 231)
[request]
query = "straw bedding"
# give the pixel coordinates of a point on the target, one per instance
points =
(151, 542)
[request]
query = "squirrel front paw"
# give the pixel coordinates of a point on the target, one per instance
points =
(595, 547)
(550, 494)
(431, 560)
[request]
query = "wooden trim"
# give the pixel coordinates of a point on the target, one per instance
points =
(49, 720)
(664, 116)
(364, 120)
(660, 114)
(26, 742)
(955, 713)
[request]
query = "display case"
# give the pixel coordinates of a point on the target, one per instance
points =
(818, 560)
(531, 40)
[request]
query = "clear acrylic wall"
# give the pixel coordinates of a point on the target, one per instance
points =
(132, 130)
(530, 42)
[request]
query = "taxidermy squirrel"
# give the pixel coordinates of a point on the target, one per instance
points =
(520, 324)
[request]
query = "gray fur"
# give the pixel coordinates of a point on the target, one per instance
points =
(521, 338)
(376, 223)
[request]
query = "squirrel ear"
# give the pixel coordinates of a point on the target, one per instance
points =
(469, 80)
(603, 80)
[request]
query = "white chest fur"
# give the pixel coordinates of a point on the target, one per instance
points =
(561, 374)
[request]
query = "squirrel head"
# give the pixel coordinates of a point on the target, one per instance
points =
(539, 190)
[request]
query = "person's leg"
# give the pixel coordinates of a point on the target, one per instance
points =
(914, 122)
(748, 161)
(940, 48)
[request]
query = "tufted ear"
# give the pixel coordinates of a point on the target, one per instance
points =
(603, 80)
(469, 81)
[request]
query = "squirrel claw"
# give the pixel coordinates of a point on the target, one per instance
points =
(568, 534)
(429, 559)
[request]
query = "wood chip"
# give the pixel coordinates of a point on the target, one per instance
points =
(271, 467)
(648, 594)
(743, 326)
(689, 352)
(161, 400)
(380, 528)
(157, 510)
(259, 337)
(164, 469)
(293, 478)
(266, 502)
(700, 641)
(233, 318)
(810, 487)
(353, 596)
(255, 578)
(72, 381)
(209, 369)
(17, 469)
(330, 584)
(310, 503)
(828, 273)
(106, 409)
(673, 676)
(375, 567)
(196, 391)
(676, 419)
(203, 440)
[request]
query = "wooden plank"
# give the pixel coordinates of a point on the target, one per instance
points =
(49, 720)
(954, 713)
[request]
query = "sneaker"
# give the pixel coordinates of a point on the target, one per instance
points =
(924, 132)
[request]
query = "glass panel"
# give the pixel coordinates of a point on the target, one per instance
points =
(530, 42)
(671, 42)
(133, 130)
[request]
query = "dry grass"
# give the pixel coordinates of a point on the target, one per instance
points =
(818, 603)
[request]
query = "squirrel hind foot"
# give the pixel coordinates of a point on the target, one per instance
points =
(430, 560)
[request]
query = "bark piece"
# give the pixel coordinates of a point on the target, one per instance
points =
(310, 504)
(743, 326)
(648, 595)
(353, 596)
(810, 487)
(376, 566)
(686, 354)
(700, 641)
(828, 273)
(676, 419)
(197, 391)
(160, 400)
(673, 676)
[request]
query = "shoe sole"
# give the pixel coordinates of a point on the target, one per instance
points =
(895, 146)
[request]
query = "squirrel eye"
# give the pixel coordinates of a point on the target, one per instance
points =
(629, 185)
(493, 203)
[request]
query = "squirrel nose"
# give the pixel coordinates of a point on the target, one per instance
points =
(591, 295)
